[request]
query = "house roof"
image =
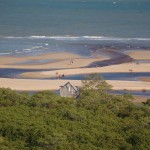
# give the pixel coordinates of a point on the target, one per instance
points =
(74, 87)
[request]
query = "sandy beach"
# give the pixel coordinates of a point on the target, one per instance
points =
(61, 61)
(39, 85)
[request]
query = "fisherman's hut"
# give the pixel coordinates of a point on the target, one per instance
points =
(68, 90)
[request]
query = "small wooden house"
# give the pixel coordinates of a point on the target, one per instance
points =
(68, 90)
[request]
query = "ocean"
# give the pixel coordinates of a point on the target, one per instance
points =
(31, 27)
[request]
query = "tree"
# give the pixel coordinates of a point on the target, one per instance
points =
(94, 83)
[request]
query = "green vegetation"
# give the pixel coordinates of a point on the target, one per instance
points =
(96, 121)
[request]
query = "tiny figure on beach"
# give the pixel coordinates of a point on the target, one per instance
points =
(137, 62)
(71, 62)
(59, 76)
(131, 59)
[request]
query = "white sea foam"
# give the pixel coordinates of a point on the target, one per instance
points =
(4, 53)
(34, 48)
(38, 37)
(26, 49)
(89, 38)
(69, 37)
(13, 37)
(18, 52)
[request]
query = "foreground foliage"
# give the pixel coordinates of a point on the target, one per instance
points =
(96, 121)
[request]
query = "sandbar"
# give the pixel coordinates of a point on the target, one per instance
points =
(14, 59)
(60, 60)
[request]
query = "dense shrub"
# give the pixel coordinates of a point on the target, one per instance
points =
(96, 121)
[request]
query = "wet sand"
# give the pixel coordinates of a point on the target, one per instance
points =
(146, 79)
(115, 57)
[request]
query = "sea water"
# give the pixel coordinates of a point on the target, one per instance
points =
(30, 27)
